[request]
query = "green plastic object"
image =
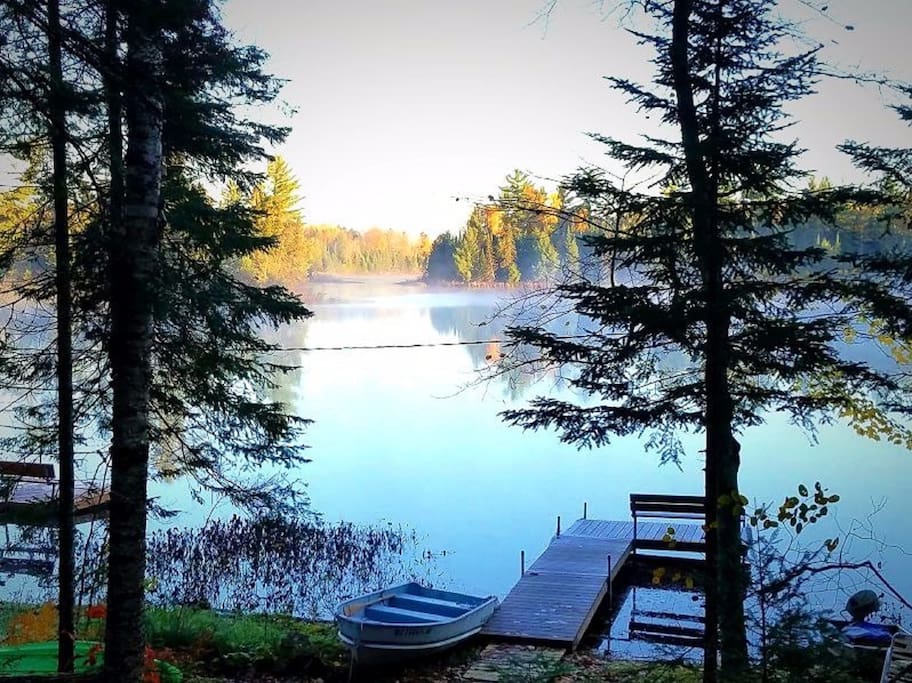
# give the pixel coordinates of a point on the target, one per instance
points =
(41, 658)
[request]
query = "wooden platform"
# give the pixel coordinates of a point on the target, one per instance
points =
(35, 502)
(556, 599)
(898, 664)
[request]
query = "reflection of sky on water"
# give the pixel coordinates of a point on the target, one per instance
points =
(679, 610)
(408, 436)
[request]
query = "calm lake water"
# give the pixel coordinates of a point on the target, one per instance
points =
(410, 437)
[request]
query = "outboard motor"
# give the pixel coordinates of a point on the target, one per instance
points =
(862, 605)
(860, 632)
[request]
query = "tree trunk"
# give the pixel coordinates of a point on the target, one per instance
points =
(699, 180)
(732, 584)
(66, 521)
(133, 270)
(725, 627)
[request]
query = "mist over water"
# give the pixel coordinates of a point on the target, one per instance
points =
(411, 436)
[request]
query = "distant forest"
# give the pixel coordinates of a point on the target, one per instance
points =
(529, 235)
(524, 234)
(300, 249)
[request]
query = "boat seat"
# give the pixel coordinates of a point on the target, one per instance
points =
(467, 601)
(428, 605)
(397, 615)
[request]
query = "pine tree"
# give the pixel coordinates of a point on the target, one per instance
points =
(36, 101)
(292, 253)
(66, 524)
(893, 166)
(441, 263)
(200, 391)
(468, 256)
(888, 261)
(707, 274)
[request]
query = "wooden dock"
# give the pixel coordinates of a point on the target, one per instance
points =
(557, 597)
(35, 502)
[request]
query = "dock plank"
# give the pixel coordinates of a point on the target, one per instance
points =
(548, 607)
(556, 599)
(580, 555)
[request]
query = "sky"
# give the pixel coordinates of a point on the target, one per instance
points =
(406, 111)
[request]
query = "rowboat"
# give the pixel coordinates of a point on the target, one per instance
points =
(409, 620)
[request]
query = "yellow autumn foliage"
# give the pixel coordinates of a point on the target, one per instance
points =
(495, 221)
(34, 626)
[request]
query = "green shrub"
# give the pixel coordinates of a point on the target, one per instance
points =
(243, 641)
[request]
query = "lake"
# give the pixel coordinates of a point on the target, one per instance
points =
(411, 436)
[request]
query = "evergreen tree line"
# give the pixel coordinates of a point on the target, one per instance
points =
(299, 249)
(529, 235)
(341, 250)
(524, 235)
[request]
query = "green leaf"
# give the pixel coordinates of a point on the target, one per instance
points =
(802, 489)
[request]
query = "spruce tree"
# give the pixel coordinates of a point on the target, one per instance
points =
(891, 165)
(889, 263)
(705, 273)
(441, 262)
(36, 103)
(469, 255)
(169, 339)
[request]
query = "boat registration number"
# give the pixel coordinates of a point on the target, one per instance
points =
(411, 633)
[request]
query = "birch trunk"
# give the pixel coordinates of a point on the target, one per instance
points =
(134, 246)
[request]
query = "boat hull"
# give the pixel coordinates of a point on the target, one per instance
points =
(410, 620)
(384, 653)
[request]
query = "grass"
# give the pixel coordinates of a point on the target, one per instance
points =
(214, 647)
(237, 642)
(651, 672)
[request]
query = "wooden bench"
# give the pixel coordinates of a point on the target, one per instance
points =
(661, 507)
(12, 472)
(26, 470)
(667, 508)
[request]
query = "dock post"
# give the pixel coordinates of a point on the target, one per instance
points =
(610, 582)
(522, 562)
(558, 525)
(585, 509)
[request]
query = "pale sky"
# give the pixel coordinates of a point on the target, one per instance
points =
(405, 105)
